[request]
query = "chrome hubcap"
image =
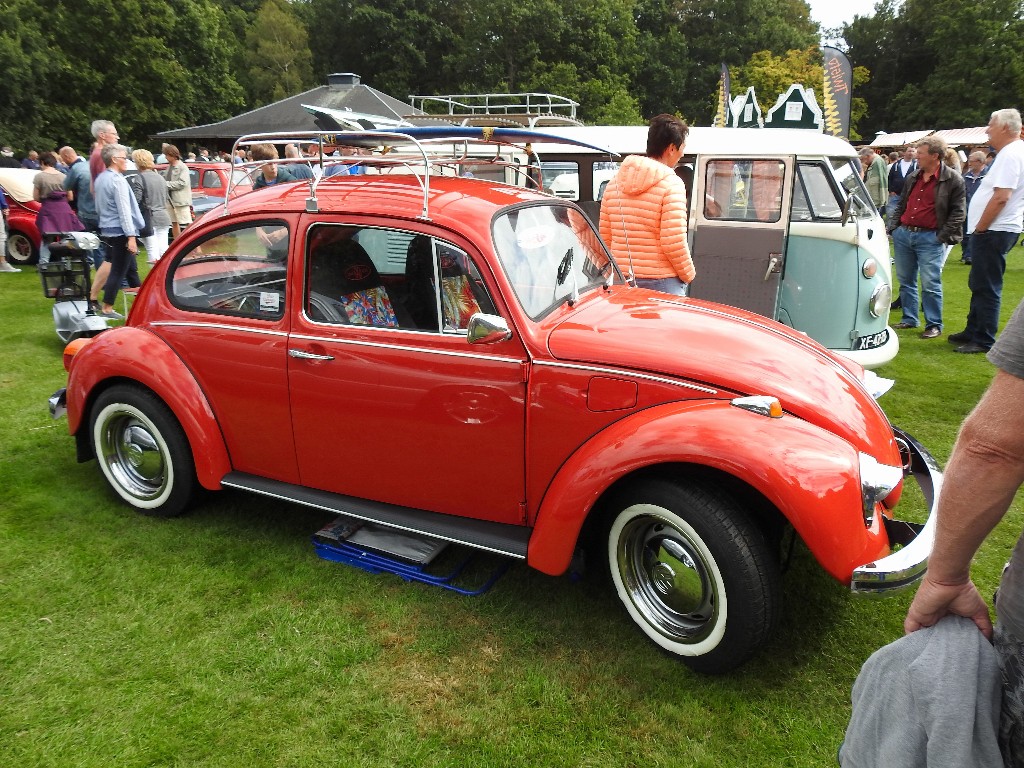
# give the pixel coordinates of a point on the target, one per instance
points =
(133, 455)
(668, 579)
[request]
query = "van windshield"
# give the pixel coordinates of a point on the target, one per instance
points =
(551, 254)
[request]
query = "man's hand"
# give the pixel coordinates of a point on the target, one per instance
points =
(933, 601)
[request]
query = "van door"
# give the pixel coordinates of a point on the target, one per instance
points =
(739, 220)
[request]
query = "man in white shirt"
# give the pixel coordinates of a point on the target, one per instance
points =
(994, 221)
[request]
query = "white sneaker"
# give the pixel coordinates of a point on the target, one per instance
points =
(5, 267)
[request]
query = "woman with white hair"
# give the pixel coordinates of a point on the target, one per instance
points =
(120, 222)
(156, 203)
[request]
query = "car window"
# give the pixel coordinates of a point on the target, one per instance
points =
(814, 197)
(744, 190)
(193, 177)
(211, 180)
(238, 272)
(551, 254)
(562, 179)
(849, 178)
(389, 278)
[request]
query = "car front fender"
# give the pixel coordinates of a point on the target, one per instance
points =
(811, 476)
(131, 355)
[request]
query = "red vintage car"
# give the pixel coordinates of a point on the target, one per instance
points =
(463, 359)
(212, 179)
(23, 237)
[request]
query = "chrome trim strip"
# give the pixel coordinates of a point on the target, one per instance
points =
(406, 348)
(626, 372)
(335, 340)
(220, 326)
(905, 566)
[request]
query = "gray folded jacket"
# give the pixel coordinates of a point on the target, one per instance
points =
(931, 698)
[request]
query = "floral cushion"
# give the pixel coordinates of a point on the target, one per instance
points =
(371, 306)
(459, 302)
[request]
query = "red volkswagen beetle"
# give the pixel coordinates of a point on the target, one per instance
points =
(462, 359)
(23, 238)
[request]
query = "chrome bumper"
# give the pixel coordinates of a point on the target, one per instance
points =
(58, 403)
(905, 566)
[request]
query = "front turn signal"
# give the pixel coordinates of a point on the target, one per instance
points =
(764, 405)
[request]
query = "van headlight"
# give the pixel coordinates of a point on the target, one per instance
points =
(881, 298)
(876, 482)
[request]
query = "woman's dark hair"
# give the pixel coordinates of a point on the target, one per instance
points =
(48, 159)
(665, 130)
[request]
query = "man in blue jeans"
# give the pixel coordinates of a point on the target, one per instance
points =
(928, 216)
(994, 224)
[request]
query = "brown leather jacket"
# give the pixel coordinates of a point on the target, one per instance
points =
(950, 204)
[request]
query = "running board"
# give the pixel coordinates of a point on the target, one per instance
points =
(499, 538)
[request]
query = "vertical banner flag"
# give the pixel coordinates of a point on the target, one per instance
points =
(838, 92)
(723, 118)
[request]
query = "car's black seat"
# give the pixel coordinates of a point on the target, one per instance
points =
(420, 298)
(342, 270)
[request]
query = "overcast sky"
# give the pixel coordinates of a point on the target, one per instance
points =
(833, 13)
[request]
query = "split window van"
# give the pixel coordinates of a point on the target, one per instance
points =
(780, 223)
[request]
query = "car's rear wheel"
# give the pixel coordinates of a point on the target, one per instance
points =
(694, 572)
(20, 250)
(143, 451)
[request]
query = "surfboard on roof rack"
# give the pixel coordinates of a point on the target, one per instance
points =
(419, 150)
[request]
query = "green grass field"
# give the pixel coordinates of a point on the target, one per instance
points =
(220, 639)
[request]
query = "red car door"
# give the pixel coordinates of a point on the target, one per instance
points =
(389, 400)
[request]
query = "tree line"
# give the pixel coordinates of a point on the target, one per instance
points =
(153, 65)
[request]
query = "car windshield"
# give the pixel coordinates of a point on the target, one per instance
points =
(551, 254)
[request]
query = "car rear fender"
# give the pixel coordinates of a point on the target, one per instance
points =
(811, 476)
(131, 355)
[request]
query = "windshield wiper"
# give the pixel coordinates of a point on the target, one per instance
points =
(565, 270)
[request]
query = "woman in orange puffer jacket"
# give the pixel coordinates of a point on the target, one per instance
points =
(643, 212)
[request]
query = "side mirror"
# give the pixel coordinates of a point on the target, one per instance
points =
(852, 203)
(487, 329)
(847, 209)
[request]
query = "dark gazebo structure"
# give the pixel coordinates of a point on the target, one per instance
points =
(343, 91)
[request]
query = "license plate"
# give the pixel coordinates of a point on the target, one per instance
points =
(872, 341)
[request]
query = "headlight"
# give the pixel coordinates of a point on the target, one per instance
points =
(881, 298)
(876, 482)
(869, 268)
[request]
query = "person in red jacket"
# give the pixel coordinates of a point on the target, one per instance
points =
(643, 212)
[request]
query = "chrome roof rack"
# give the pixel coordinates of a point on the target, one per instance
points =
(527, 110)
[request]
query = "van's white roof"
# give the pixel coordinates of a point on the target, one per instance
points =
(632, 139)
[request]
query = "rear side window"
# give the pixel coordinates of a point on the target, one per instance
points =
(744, 190)
(238, 272)
(211, 180)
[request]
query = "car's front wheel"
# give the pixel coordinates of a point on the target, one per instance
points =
(143, 451)
(20, 250)
(694, 572)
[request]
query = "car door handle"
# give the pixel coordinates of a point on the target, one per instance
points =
(773, 265)
(302, 354)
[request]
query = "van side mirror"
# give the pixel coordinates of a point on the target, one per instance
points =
(848, 209)
(853, 203)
